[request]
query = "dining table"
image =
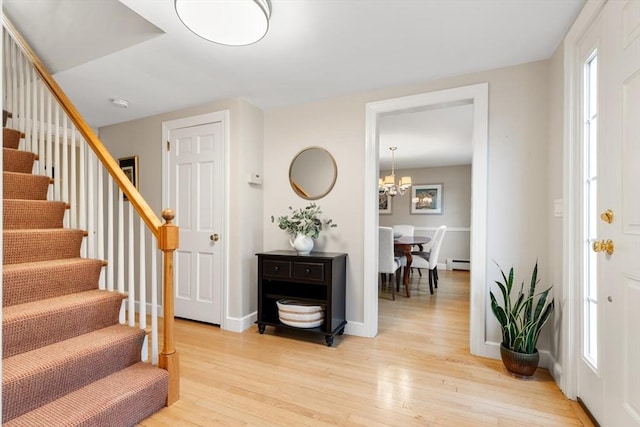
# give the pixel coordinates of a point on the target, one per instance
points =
(404, 244)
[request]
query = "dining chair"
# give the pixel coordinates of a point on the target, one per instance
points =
(429, 260)
(404, 230)
(388, 263)
(426, 250)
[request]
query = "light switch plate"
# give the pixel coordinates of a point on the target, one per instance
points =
(557, 208)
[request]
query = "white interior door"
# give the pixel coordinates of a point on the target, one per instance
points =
(614, 398)
(196, 191)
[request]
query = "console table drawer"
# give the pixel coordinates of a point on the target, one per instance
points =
(312, 271)
(278, 269)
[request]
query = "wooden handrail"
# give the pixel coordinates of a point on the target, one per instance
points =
(112, 167)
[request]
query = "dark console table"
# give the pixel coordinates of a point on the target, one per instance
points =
(318, 278)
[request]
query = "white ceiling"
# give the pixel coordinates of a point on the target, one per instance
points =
(439, 136)
(139, 50)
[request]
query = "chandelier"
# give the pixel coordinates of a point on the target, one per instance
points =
(387, 186)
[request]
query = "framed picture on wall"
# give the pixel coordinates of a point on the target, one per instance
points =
(129, 166)
(384, 204)
(426, 199)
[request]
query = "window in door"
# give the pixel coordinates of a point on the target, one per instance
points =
(590, 191)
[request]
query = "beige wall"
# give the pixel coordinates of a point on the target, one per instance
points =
(456, 208)
(245, 216)
(518, 144)
(143, 138)
(555, 192)
(518, 136)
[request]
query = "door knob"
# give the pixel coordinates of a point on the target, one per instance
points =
(603, 246)
(214, 237)
(607, 216)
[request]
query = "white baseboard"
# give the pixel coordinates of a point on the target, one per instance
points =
(233, 324)
(547, 361)
(355, 328)
(239, 324)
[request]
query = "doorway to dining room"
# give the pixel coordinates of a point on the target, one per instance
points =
(477, 97)
(434, 149)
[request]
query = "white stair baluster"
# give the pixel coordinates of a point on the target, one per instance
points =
(142, 282)
(154, 300)
(55, 172)
(48, 151)
(110, 234)
(82, 210)
(73, 197)
(100, 220)
(131, 285)
(64, 176)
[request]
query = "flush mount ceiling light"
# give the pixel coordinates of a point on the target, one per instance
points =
(228, 22)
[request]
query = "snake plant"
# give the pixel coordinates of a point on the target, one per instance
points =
(521, 317)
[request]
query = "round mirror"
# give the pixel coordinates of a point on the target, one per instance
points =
(313, 173)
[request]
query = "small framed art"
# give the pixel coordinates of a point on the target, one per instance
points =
(384, 204)
(426, 199)
(129, 166)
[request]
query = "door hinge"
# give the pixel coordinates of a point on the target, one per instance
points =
(168, 145)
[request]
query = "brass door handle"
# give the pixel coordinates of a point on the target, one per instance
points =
(214, 237)
(603, 246)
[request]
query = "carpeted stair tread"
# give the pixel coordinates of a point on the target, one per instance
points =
(25, 186)
(11, 138)
(121, 399)
(65, 359)
(40, 376)
(32, 281)
(26, 327)
(17, 160)
(40, 245)
(31, 214)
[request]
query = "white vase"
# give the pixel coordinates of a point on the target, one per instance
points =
(302, 244)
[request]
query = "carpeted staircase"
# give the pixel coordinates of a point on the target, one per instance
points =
(66, 359)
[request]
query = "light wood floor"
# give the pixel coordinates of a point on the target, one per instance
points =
(416, 372)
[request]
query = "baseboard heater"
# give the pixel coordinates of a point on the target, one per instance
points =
(458, 264)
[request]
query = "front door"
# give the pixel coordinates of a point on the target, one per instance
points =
(609, 374)
(620, 275)
(196, 191)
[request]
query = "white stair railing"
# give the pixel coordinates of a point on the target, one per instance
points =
(96, 202)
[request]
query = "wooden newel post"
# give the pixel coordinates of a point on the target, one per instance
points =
(168, 242)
